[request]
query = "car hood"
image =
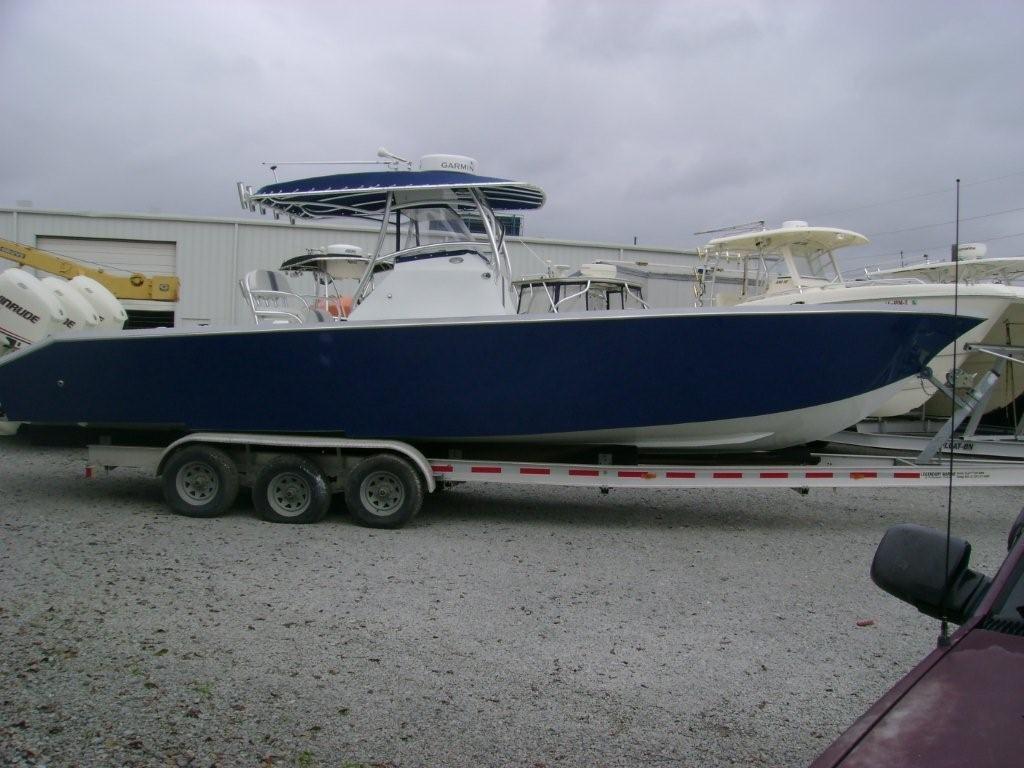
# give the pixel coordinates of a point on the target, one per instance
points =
(967, 709)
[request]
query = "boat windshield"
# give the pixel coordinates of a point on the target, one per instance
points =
(762, 271)
(434, 225)
(767, 269)
(818, 265)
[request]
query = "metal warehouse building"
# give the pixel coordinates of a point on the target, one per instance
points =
(210, 255)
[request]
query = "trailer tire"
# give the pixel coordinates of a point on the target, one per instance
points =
(200, 481)
(291, 489)
(384, 491)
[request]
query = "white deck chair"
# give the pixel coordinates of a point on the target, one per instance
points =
(271, 299)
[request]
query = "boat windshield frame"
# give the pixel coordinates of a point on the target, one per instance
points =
(817, 262)
(759, 266)
(456, 202)
(554, 290)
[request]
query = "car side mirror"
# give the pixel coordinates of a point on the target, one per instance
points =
(910, 563)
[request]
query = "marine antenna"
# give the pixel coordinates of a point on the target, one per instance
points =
(944, 640)
(750, 226)
(385, 157)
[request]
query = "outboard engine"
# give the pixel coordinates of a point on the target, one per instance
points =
(80, 314)
(111, 313)
(29, 311)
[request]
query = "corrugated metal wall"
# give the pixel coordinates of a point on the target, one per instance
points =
(213, 254)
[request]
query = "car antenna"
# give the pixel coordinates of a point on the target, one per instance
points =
(944, 640)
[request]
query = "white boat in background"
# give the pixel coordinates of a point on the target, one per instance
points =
(681, 285)
(796, 264)
(591, 288)
(973, 268)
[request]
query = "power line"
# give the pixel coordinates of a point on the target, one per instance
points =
(945, 223)
(946, 245)
(1003, 237)
(993, 178)
(943, 191)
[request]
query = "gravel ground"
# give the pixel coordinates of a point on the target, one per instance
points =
(504, 627)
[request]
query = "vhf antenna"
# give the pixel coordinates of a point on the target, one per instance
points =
(386, 158)
(944, 640)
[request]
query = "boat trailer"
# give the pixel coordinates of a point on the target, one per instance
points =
(384, 482)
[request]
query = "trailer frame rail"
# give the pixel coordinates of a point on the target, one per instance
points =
(832, 471)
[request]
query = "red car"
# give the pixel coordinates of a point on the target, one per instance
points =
(963, 705)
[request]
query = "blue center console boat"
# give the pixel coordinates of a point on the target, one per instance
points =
(431, 348)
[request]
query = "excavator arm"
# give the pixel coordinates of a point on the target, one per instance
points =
(133, 286)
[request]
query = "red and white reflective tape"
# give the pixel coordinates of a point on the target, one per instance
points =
(1005, 473)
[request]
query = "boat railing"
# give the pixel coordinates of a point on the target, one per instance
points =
(526, 290)
(584, 287)
(638, 295)
(601, 287)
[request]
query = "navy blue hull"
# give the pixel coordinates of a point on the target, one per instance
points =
(474, 378)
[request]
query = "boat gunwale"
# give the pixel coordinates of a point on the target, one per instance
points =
(590, 316)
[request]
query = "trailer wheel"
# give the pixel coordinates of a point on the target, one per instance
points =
(383, 491)
(291, 489)
(200, 481)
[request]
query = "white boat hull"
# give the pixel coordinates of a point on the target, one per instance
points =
(773, 431)
(1007, 330)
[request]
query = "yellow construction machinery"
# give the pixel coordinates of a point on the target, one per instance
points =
(133, 286)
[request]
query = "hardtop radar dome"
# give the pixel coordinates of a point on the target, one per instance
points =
(971, 251)
(458, 163)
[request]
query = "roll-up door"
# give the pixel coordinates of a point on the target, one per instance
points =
(145, 256)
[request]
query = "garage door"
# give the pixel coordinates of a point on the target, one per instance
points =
(145, 256)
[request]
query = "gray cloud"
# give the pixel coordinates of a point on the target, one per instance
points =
(649, 119)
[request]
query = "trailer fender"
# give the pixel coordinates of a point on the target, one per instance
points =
(286, 442)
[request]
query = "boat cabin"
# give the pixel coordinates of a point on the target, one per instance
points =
(794, 257)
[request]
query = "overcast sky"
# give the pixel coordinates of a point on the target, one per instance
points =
(642, 119)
